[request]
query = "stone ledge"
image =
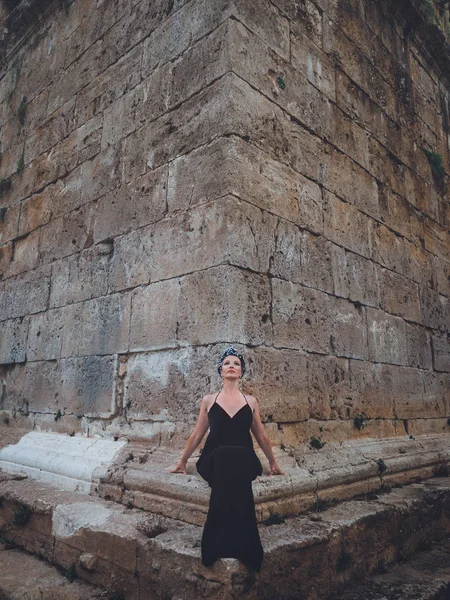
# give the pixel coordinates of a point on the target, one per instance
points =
(147, 557)
(338, 471)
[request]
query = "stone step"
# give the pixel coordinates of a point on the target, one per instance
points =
(425, 577)
(25, 577)
(146, 557)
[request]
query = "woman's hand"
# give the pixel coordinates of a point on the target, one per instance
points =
(180, 468)
(275, 470)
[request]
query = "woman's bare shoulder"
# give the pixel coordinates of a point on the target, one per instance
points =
(252, 400)
(208, 400)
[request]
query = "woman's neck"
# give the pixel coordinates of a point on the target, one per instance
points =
(230, 388)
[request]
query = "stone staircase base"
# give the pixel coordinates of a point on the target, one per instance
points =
(148, 557)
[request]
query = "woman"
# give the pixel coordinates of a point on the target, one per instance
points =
(229, 464)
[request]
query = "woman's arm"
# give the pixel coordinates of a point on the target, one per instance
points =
(262, 438)
(195, 438)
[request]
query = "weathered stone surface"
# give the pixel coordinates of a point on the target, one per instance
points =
(371, 390)
(441, 353)
(399, 296)
(349, 331)
(354, 277)
(386, 337)
(329, 395)
(79, 386)
(302, 317)
(141, 256)
(233, 166)
(13, 340)
(81, 276)
(25, 294)
(418, 346)
(9, 222)
(132, 206)
(434, 308)
(346, 225)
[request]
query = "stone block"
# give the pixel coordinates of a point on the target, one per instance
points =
(415, 395)
(224, 303)
(349, 331)
(233, 166)
(54, 129)
(102, 326)
(440, 275)
(9, 222)
(355, 277)
(36, 211)
(46, 335)
(301, 317)
(353, 140)
(400, 215)
(386, 337)
(66, 235)
(115, 81)
(308, 58)
(119, 119)
(274, 77)
(329, 392)
(286, 262)
(155, 316)
(418, 345)
(388, 249)
(371, 390)
(441, 353)
(25, 254)
(6, 256)
(13, 340)
(316, 262)
(131, 206)
(200, 308)
(168, 385)
(346, 226)
(102, 173)
(399, 296)
(434, 309)
(82, 386)
(81, 276)
(26, 294)
(279, 381)
(437, 239)
(233, 232)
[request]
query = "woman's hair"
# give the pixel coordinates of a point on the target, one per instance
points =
(230, 352)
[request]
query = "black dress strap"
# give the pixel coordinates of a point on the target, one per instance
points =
(215, 400)
(244, 397)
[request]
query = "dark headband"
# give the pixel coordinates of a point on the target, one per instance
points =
(231, 352)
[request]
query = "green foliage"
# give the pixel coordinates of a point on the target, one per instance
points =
(381, 466)
(5, 184)
(20, 164)
(3, 211)
(273, 519)
(22, 515)
(436, 162)
(428, 10)
(58, 415)
(71, 573)
(281, 82)
(344, 561)
(316, 443)
(22, 110)
(361, 420)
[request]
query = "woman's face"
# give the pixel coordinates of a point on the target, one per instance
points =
(231, 368)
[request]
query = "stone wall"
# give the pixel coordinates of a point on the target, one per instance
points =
(178, 175)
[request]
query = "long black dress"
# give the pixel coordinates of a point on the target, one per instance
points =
(229, 464)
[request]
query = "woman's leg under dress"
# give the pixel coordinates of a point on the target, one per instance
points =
(231, 530)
